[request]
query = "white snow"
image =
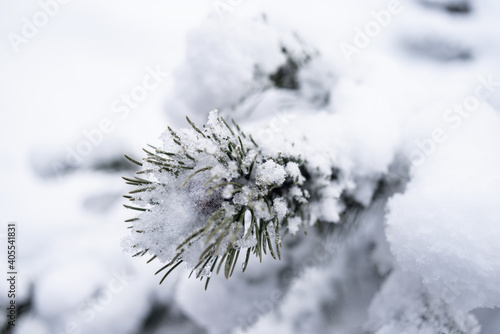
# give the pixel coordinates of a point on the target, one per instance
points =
(292, 168)
(280, 207)
(270, 173)
(367, 118)
(446, 227)
(294, 224)
(402, 305)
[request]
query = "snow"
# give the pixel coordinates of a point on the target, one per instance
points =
(270, 173)
(445, 226)
(253, 48)
(292, 168)
(294, 224)
(280, 207)
(368, 119)
(403, 306)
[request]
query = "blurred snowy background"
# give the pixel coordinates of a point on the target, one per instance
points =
(84, 82)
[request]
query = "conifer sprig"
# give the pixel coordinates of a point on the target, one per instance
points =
(238, 200)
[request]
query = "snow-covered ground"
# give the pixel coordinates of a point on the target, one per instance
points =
(414, 103)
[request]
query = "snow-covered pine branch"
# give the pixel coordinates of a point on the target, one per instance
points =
(211, 193)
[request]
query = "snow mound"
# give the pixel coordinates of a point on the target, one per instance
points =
(403, 306)
(445, 227)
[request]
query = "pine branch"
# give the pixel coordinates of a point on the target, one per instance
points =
(236, 199)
